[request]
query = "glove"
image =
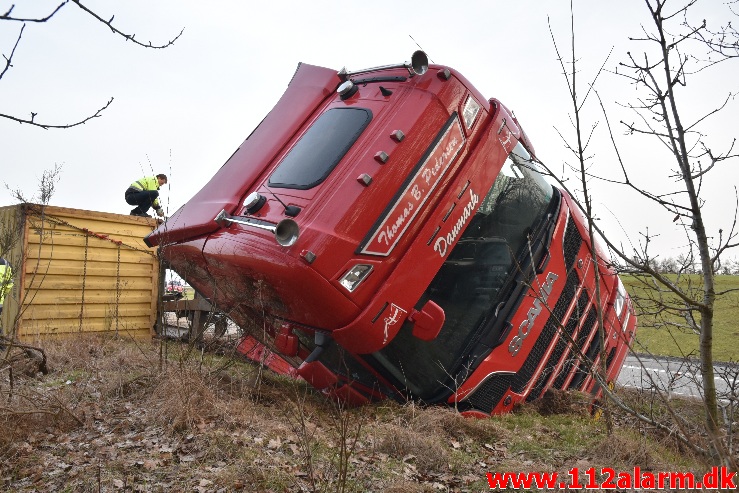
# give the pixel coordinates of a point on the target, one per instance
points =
(159, 211)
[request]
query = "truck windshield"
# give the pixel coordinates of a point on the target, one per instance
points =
(472, 281)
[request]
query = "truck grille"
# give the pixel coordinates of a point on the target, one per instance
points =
(575, 318)
(492, 390)
(489, 393)
(589, 326)
(563, 341)
(578, 360)
(611, 355)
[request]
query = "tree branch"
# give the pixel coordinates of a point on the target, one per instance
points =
(47, 126)
(9, 59)
(7, 15)
(129, 37)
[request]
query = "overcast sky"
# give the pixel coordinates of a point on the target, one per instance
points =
(184, 110)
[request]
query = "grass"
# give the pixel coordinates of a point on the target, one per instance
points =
(188, 293)
(194, 421)
(662, 335)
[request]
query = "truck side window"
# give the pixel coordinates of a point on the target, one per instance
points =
(320, 149)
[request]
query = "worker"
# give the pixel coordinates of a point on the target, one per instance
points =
(144, 193)
(6, 281)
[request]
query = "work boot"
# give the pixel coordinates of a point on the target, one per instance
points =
(137, 212)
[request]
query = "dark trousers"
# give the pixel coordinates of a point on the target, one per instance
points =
(142, 199)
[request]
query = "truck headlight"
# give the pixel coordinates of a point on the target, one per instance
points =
(620, 301)
(355, 276)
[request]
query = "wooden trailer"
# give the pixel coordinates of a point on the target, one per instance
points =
(77, 271)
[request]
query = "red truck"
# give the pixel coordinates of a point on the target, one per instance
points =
(390, 233)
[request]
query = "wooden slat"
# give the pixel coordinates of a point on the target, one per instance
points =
(58, 236)
(100, 310)
(98, 222)
(94, 268)
(50, 327)
(75, 282)
(63, 296)
(67, 252)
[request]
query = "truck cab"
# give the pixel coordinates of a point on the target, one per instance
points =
(391, 234)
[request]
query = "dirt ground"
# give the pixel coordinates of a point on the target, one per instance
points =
(114, 415)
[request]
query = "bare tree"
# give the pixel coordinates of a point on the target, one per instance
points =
(674, 49)
(660, 74)
(10, 18)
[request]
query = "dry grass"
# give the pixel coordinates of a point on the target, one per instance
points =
(114, 415)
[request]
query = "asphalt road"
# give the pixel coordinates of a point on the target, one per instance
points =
(677, 377)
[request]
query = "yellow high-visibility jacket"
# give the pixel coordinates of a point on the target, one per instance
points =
(147, 183)
(6, 279)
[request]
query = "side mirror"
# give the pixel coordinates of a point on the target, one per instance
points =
(427, 322)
